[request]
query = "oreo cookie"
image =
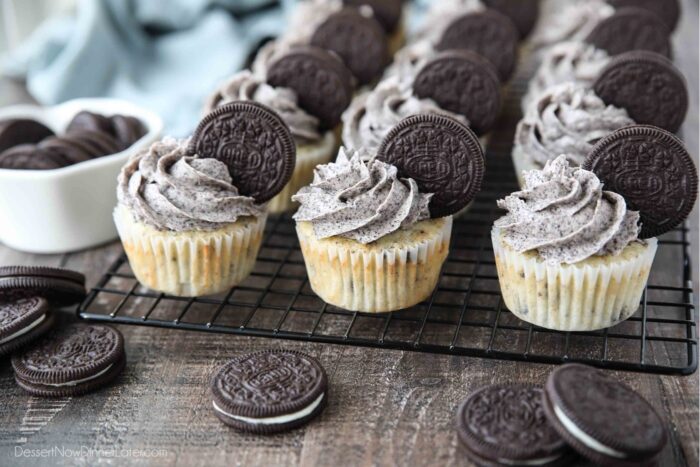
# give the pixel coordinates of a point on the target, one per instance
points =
(506, 425)
(442, 155)
(668, 10)
(488, 33)
(601, 418)
(648, 86)
(462, 82)
(523, 13)
(31, 157)
(72, 361)
(358, 40)
(17, 131)
(386, 12)
(255, 144)
(127, 130)
(652, 170)
(631, 29)
(86, 120)
(322, 83)
(270, 391)
(22, 321)
(61, 287)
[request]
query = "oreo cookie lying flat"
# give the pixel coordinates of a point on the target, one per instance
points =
(30, 157)
(255, 144)
(523, 13)
(652, 170)
(61, 287)
(18, 131)
(386, 12)
(668, 10)
(22, 321)
(442, 155)
(72, 361)
(462, 82)
(648, 86)
(488, 33)
(269, 391)
(506, 425)
(631, 29)
(358, 40)
(323, 84)
(86, 120)
(601, 418)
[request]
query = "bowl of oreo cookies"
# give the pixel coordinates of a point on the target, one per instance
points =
(58, 170)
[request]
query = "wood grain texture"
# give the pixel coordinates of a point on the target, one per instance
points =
(385, 407)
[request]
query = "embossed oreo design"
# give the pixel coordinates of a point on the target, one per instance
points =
(269, 391)
(320, 79)
(22, 321)
(443, 156)
(507, 423)
(668, 10)
(255, 144)
(523, 13)
(652, 170)
(488, 33)
(61, 287)
(386, 12)
(648, 86)
(464, 83)
(358, 40)
(631, 29)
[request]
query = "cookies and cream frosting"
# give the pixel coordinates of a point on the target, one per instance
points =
(568, 119)
(441, 14)
(244, 86)
(360, 198)
(169, 189)
(564, 215)
(371, 115)
(569, 20)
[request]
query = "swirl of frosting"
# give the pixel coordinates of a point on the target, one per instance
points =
(564, 214)
(568, 119)
(441, 14)
(360, 198)
(244, 86)
(371, 115)
(408, 61)
(569, 21)
(171, 190)
(568, 62)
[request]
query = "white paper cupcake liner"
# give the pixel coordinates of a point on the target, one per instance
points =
(596, 293)
(376, 278)
(190, 263)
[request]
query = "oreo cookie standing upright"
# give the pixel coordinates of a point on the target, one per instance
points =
(668, 10)
(631, 29)
(523, 13)
(22, 321)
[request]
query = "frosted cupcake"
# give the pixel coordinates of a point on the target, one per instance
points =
(375, 229)
(563, 21)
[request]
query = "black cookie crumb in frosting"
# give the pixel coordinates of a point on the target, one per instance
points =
(631, 29)
(22, 321)
(270, 391)
(72, 361)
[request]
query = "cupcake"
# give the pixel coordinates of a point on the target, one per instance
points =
(375, 228)
(191, 213)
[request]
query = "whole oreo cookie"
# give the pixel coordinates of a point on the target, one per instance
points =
(601, 418)
(18, 131)
(127, 130)
(30, 157)
(505, 424)
(442, 155)
(488, 33)
(321, 81)
(269, 391)
(462, 82)
(70, 153)
(86, 120)
(523, 13)
(386, 12)
(22, 321)
(668, 10)
(648, 86)
(255, 144)
(358, 40)
(631, 29)
(99, 142)
(75, 360)
(652, 170)
(61, 287)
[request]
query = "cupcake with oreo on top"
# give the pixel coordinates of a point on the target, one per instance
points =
(191, 213)
(375, 227)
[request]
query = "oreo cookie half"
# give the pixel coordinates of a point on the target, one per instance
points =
(462, 82)
(72, 361)
(488, 33)
(322, 83)
(255, 144)
(442, 155)
(523, 13)
(631, 29)
(601, 418)
(60, 287)
(668, 10)
(652, 170)
(22, 321)
(386, 12)
(21, 131)
(86, 120)
(270, 391)
(506, 425)
(648, 86)
(358, 40)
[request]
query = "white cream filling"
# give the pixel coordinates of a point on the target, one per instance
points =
(586, 439)
(541, 461)
(274, 420)
(78, 381)
(22, 331)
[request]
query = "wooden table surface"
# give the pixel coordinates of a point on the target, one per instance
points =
(386, 407)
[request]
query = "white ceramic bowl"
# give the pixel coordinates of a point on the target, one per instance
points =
(66, 209)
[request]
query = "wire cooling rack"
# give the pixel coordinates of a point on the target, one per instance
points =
(464, 316)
